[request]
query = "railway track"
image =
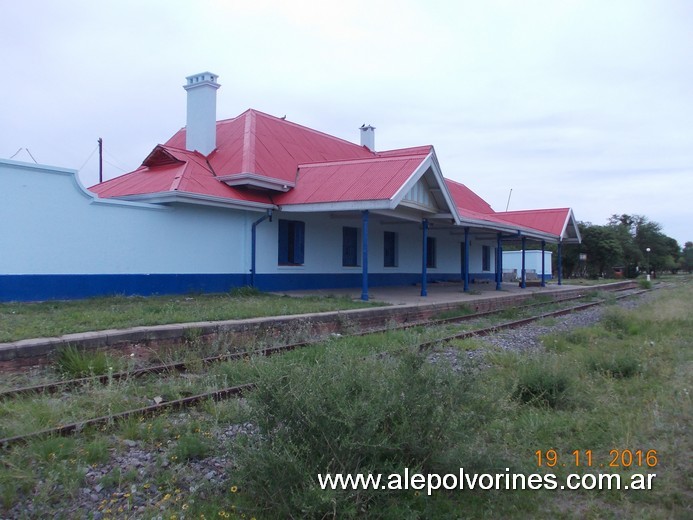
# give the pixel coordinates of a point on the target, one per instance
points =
(234, 391)
(182, 366)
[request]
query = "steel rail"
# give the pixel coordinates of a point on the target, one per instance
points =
(76, 427)
(182, 366)
(230, 392)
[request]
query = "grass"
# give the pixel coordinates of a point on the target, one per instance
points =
(55, 318)
(368, 403)
(75, 363)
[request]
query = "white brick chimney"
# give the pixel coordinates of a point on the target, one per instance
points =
(201, 126)
(368, 137)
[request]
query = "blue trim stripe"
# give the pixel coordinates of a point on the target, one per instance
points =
(74, 286)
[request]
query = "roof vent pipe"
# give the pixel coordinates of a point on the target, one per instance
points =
(201, 126)
(368, 137)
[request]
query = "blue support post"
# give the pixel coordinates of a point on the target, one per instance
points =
(523, 283)
(499, 263)
(560, 263)
(466, 259)
(543, 267)
(364, 249)
(424, 258)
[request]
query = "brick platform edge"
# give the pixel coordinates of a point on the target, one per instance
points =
(29, 351)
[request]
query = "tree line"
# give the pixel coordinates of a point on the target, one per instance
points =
(628, 245)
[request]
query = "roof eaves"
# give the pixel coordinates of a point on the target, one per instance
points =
(168, 197)
(253, 179)
(509, 227)
(352, 205)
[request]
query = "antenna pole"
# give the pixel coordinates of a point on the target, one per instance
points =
(101, 160)
(509, 195)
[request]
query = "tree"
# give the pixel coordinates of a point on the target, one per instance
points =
(664, 250)
(603, 248)
(636, 234)
(687, 257)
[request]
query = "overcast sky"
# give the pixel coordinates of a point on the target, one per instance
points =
(587, 104)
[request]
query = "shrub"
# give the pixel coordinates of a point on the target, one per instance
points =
(344, 415)
(191, 446)
(619, 364)
(96, 452)
(73, 362)
(543, 384)
(621, 322)
(645, 284)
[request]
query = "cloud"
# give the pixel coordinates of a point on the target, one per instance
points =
(573, 103)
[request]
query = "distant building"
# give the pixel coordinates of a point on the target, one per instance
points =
(254, 200)
(512, 264)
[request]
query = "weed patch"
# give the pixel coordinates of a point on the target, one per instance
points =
(544, 384)
(618, 364)
(74, 363)
(621, 322)
(191, 446)
(348, 415)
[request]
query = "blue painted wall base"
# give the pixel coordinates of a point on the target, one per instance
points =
(75, 286)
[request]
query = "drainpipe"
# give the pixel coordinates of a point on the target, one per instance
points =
(254, 244)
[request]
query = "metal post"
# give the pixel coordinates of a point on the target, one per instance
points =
(523, 283)
(100, 160)
(364, 248)
(499, 264)
(560, 263)
(424, 258)
(466, 259)
(543, 267)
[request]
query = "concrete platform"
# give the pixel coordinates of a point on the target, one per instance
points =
(404, 305)
(447, 292)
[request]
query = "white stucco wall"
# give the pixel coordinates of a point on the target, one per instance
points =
(513, 260)
(52, 225)
(323, 246)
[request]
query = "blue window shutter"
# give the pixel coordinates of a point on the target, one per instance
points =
(430, 252)
(283, 248)
(349, 246)
(299, 241)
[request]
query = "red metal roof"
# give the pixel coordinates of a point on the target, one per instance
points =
(255, 142)
(323, 169)
(365, 179)
(466, 199)
(168, 169)
(471, 206)
(548, 220)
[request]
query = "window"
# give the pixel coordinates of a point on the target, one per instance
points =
(431, 252)
(390, 249)
(291, 242)
(485, 258)
(350, 246)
